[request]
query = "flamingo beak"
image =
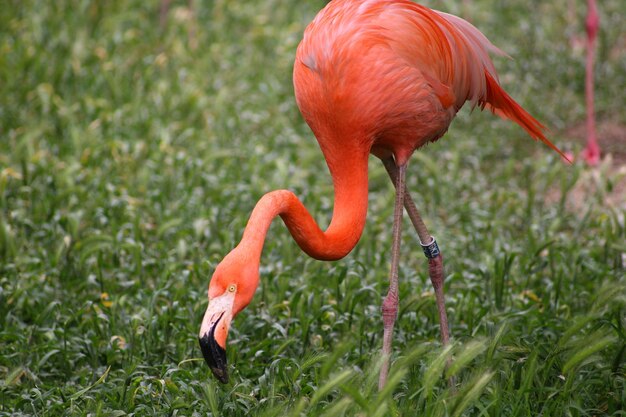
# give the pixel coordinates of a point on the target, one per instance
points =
(213, 334)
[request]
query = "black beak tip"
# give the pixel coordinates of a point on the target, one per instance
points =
(215, 357)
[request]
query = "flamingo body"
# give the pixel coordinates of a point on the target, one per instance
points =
(393, 74)
(373, 76)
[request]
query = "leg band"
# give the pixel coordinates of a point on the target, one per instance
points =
(431, 250)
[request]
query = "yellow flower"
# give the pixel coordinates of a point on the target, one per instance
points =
(104, 299)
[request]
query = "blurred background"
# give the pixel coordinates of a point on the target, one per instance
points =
(135, 139)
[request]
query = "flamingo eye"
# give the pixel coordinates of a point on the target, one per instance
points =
(232, 288)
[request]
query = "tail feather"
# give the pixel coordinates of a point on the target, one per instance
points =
(501, 104)
(472, 62)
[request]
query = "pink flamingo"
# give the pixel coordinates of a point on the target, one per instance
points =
(371, 77)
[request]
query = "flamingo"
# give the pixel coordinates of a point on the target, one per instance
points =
(370, 77)
(591, 154)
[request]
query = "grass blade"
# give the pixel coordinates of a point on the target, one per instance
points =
(471, 393)
(588, 347)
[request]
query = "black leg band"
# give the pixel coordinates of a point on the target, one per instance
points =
(431, 250)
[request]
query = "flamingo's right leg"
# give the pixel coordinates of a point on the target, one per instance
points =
(390, 303)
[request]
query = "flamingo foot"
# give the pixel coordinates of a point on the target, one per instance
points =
(591, 154)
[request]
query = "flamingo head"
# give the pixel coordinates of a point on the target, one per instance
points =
(231, 289)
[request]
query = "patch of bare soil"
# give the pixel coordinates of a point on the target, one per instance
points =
(605, 182)
(611, 137)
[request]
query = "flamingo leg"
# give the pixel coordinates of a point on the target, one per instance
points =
(435, 259)
(591, 154)
(390, 303)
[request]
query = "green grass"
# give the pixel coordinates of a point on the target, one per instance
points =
(130, 161)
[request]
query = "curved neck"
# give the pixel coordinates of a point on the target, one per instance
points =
(349, 175)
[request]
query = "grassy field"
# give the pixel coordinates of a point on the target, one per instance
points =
(131, 154)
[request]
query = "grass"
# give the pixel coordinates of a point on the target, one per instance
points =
(129, 162)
